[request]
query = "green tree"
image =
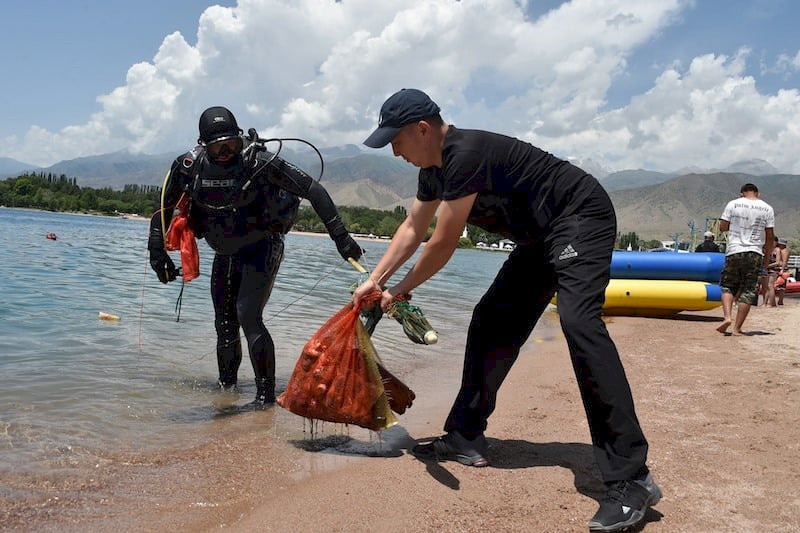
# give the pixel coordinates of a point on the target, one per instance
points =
(629, 239)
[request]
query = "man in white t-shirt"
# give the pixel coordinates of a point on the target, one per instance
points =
(750, 222)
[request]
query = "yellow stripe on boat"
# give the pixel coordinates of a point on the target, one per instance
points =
(647, 297)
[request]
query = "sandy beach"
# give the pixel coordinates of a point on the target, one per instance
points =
(722, 415)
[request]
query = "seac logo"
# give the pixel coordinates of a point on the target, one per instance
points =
(217, 183)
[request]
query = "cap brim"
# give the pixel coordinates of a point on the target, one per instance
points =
(381, 137)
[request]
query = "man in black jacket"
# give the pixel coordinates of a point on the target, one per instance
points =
(708, 244)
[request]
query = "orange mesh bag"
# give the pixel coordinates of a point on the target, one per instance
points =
(336, 378)
(399, 395)
(181, 237)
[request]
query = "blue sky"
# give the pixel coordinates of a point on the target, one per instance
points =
(63, 55)
(656, 84)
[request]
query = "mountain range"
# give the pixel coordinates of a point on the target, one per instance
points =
(655, 205)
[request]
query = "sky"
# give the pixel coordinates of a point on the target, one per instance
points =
(612, 84)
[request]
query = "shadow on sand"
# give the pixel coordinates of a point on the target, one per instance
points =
(517, 454)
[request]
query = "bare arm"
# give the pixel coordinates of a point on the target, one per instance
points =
(724, 225)
(769, 234)
(784, 258)
(439, 249)
(437, 252)
(405, 241)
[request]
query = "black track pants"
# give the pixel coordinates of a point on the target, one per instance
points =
(575, 259)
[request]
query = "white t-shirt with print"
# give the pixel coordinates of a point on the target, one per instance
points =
(748, 218)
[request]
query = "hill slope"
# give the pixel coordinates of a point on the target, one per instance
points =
(655, 205)
(660, 211)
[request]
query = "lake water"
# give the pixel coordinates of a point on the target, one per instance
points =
(74, 382)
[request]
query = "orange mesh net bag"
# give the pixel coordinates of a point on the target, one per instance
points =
(181, 237)
(338, 377)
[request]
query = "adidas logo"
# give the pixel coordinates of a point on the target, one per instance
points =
(567, 253)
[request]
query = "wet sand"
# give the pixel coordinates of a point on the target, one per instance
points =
(722, 415)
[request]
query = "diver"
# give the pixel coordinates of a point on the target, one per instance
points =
(242, 199)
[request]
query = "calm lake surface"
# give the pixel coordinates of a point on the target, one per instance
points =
(73, 382)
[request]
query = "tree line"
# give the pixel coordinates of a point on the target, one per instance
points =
(632, 239)
(49, 192)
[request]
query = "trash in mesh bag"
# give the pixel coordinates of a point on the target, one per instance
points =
(338, 377)
(399, 395)
(181, 237)
(412, 318)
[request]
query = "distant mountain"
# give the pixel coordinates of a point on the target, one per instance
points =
(335, 152)
(656, 205)
(660, 211)
(630, 179)
(351, 176)
(10, 168)
(754, 167)
(115, 170)
(591, 166)
(384, 170)
(369, 180)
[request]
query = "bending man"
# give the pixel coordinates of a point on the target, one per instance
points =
(564, 226)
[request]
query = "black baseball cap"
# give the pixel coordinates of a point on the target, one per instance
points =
(216, 124)
(403, 107)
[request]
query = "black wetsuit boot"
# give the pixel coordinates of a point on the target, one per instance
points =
(229, 357)
(265, 393)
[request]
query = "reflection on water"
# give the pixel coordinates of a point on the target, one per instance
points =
(76, 386)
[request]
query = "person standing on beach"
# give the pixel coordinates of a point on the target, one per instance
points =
(750, 222)
(242, 200)
(780, 283)
(769, 276)
(564, 226)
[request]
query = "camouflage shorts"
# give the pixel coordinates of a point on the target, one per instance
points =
(741, 274)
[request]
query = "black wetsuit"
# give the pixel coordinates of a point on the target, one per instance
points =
(243, 210)
(564, 226)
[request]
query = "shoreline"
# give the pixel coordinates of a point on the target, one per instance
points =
(721, 413)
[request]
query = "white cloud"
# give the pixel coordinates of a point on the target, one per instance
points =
(320, 71)
(786, 63)
(709, 116)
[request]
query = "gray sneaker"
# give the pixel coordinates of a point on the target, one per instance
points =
(625, 504)
(454, 447)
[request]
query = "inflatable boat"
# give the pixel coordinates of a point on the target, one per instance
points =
(658, 298)
(667, 266)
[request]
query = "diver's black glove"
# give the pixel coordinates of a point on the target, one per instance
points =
(162, 265)
(348, 247)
